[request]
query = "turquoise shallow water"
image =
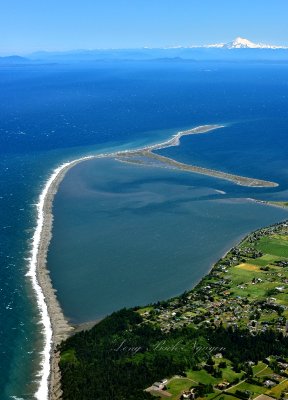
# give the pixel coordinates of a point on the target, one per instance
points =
(53, 113)
(129, 235)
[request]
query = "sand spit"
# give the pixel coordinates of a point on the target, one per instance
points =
(239, 180)
(144, 156)
(173, 141)
(55, 326)
(277, 204)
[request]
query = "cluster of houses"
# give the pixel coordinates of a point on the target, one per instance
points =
(269, 381)
(200, 307)
(282, 263)
(212, 302)
(281, 227)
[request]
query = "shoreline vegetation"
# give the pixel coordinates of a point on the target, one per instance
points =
(56, 328)
(281, 204)
(227, 338)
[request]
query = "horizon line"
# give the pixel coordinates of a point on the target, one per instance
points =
(143, 47)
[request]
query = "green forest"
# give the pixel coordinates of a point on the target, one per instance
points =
(120, 357)
(228, 334)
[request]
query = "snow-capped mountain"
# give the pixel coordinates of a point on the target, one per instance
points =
(241, 43)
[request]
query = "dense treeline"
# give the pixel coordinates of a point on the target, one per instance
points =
(241, 346)
(118, 358)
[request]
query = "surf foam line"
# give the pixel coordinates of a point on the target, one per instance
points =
(39, 238)
(45, 319)
(35, 259)
(43, 390)
(44, 373)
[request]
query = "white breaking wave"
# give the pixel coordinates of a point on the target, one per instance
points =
(42, 392)
(44, 373)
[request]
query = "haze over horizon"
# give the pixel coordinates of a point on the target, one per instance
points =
(121, 24)
(237, 43)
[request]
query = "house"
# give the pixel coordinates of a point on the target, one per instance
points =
(271, 300)
(158, 386)
(268, 383)
(188, 394)
(223, 385)
(283, 365)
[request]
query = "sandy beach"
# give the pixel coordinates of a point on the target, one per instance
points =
(142, 155)
(55, 326)
(60, 327)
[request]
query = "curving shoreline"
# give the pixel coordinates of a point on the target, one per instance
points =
(143, 156)
(237, 179)
(55, 326)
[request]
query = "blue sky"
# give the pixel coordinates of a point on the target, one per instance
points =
(30, 25)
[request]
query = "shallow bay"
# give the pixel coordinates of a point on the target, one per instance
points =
(52, 114)
(127, 235)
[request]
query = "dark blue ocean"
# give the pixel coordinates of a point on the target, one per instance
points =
(54, 113)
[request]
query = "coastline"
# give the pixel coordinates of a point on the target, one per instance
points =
(237, 179)
(55, 326)
(277, 204)
(147, 153)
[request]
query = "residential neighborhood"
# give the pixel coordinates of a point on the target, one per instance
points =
(246, 289)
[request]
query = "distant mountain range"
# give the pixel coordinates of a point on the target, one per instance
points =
(238, 50)
(14, 60)
(240, 43)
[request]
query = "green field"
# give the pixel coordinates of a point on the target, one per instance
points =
(239, 308)
(247, 280)
(230, 375)
(266, 372)
(277, 390)
(202, 377)
(254, 389)
(259, 367)
(273, 246)
(223, 396)
(178, 385)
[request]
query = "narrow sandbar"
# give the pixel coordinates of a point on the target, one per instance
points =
(55, 326)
